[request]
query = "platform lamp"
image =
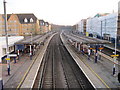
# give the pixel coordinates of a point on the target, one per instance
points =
(115, 53)
(6, 34)
(31, 47)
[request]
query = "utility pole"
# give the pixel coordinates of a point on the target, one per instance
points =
(6, 34)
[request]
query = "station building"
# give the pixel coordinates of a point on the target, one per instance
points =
(11, 41)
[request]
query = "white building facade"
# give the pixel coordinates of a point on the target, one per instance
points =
(103, 26)
(11, 41)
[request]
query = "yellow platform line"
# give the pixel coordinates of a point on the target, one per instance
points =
(95, 73)
(23, 78)
(97, 76)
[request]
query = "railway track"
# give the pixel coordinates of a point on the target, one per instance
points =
(60, 70)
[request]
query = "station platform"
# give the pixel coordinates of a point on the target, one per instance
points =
(23, 69)
(30, 78)
(99, 74)
(112, 46)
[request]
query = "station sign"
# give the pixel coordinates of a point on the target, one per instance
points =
(7, 58)
(12, 55)
(114, 55)
(91, 48)
(101, 48)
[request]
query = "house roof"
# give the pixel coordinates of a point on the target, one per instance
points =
(46, 23)
(8, 16)
(101, 14)
(27, 16)
(42, 22)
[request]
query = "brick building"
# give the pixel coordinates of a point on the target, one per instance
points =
(42, 26)
(13, 25)
(29, 23)
(1, 24)
(23, 24)
(46, 27)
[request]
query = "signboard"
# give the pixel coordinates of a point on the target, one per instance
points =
(114, 55)
(87, 34)
(12, 55)
(92, 48)
(7, 58)
(19, 46)
(101, 48)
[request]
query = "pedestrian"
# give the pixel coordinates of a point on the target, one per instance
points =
(119, 77)
(14, 59)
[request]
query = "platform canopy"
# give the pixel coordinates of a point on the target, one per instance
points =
(11, 41)
(27, 39)
(36, 39)
(86, 40)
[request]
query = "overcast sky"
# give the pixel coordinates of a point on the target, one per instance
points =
(63, 12)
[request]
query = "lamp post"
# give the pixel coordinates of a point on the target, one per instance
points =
(7, 48)
(101, 29)
(114, 66)
(31, 47)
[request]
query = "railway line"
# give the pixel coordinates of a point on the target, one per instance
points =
(59, 70)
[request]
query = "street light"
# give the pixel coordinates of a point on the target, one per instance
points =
(31, 47)
(115, 56)
(7, 48)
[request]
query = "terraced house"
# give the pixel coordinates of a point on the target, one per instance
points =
(20, 24)
(46, 27)
(1, 25)
(14, 28)
(29, 24)
(23, 24)
(42, 26)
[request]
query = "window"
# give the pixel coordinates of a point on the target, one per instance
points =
(31, 20)
(25, 20)
(4, 51)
